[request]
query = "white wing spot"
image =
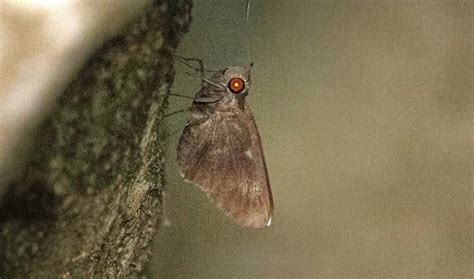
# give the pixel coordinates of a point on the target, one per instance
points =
(269, 221)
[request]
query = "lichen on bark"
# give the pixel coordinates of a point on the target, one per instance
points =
(89, 201)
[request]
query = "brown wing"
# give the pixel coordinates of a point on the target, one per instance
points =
(223, 155)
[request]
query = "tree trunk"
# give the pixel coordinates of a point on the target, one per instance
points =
(89, 201)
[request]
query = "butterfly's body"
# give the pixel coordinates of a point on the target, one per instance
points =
(220, 150)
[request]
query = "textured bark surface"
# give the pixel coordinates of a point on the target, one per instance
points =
(89, 201)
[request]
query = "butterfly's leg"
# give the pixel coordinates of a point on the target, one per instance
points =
(185, 60)
(201, 70)
(165, 136)
(179, 95)
(175, 112)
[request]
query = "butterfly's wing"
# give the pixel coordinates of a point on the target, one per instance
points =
(223, 155)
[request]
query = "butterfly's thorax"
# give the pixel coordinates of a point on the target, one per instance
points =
(223, 106)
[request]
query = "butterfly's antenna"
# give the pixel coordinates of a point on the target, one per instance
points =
(250, 66)
(249, 33)
(248, 9)
(248, 69)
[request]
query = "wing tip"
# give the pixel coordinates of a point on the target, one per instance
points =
(269, 222)
(257, 223)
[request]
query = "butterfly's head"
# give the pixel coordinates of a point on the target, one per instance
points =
(234, 83)
(236, 80)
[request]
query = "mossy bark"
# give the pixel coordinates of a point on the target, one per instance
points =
(89, 201)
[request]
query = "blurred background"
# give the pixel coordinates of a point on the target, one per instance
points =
(365, 112)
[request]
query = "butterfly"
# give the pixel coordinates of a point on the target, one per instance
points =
(220, 149)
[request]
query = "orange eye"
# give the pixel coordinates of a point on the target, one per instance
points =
(236, 85)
